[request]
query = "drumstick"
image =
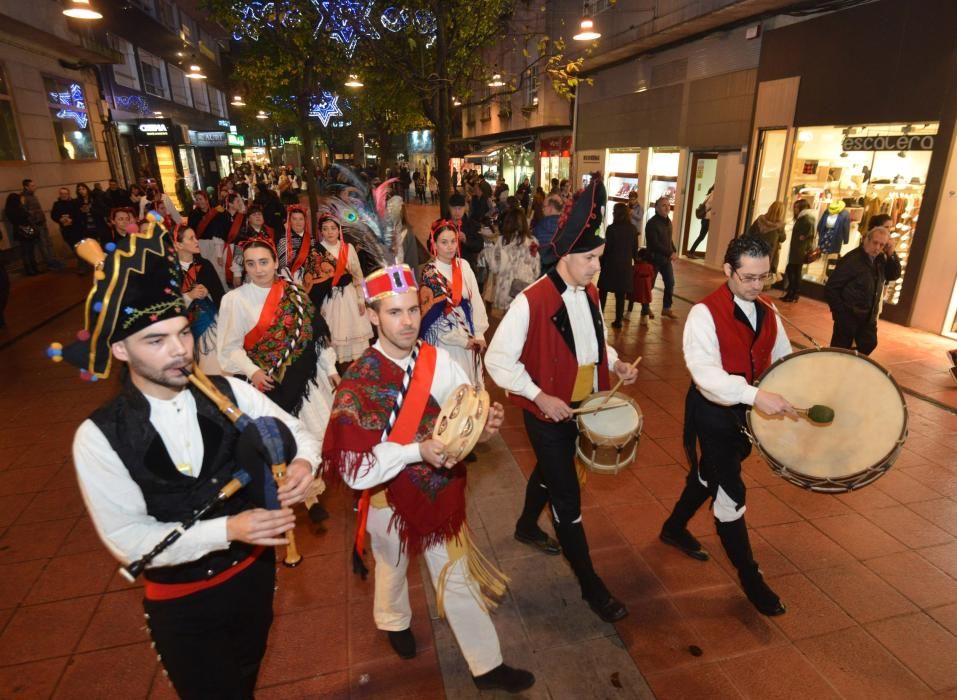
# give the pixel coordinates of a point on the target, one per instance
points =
(620, 382)
(595, 408)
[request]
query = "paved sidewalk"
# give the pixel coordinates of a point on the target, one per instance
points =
(870, 578)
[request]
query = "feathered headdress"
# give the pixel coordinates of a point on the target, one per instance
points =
(361, 214)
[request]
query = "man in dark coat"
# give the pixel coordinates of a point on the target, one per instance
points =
(470, 240)
(854, 290)
(660, 245)
(621, 250)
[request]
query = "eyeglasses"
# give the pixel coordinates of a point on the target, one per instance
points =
(751, 279)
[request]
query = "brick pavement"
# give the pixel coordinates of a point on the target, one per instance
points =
(870, 577)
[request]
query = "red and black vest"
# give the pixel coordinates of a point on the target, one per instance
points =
(549, 352)
(744, 352)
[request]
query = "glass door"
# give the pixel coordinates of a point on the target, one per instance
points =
(769, 167)
(694, 238)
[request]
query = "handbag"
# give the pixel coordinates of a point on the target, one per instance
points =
(27, 231)
(812, 256)
(517, 287)
(700, 211)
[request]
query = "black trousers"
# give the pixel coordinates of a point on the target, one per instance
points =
(619, 304)
(212, 642)
(792, 274)
(723, 447)
(555, 480)
(854, 331)
(705, 225)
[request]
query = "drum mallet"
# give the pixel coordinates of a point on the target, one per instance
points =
(618, 385)
(817, 413)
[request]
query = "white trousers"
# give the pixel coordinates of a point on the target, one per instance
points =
(472, 626)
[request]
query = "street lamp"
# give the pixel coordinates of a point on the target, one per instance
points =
(496, 81)
(238, 101)
(195, 73)
(354, 81)
(262, 115)
(586, 28)
(81, 9)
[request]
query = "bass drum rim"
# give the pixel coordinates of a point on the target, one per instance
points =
(849, 482)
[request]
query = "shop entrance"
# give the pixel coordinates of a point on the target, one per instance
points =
(701, 179)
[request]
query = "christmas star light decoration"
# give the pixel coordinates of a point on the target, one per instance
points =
(324, 107)
(348, 19)
(73, 97)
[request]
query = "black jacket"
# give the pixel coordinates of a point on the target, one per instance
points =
(658, 239)
(621, 249)
(72, 232)
(856, 285)
(473, 243)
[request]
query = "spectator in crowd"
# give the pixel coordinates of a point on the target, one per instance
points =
(802, 242)
(38, 221)
(513, 259)
(116, 197)
(854, 290)
(91, 218)
(635, 211)
(67, 216)
(661, 248)
(470, 238)
(621, 250)
(769, 227)
(18, 219)
(705, 210)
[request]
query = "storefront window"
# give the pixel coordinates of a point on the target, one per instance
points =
(662, 178)
(71, 121)
(771, 145)
(9, 140)
(850, 174)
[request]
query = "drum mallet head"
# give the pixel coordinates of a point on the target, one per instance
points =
(817, 413)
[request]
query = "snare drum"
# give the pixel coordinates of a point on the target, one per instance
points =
(608, 439)
(858, 447)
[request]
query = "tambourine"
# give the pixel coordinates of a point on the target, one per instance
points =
(462, 420)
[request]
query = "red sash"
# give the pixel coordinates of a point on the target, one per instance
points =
(341, 263)
(169, 591)
(303, 249)
(230, 240)
(406, 423)
(205, 221)
(456, 282)
(189, 277)
(266, 316)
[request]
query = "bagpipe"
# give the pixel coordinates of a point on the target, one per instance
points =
(260, 437)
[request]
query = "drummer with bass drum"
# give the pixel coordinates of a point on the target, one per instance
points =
(549, 353)
(160, 451)
(729, 341)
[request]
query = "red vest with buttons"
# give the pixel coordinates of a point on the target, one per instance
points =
(546, 356)
(742, 351)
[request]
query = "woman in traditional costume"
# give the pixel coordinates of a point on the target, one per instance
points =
(453, 313)
(271, 334)
(294, 246)
(202, 292)
(343, 307)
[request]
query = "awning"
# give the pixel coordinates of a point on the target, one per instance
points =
(487, 151)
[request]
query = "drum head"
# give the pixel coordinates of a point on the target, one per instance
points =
(870, 417)
(618, 422)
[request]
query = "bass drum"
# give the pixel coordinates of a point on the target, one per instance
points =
(858, 446)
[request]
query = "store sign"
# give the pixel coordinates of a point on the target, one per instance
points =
(223, 122)
(153, 130)
(889, 142)
(591, 158)
(237, 140)
(209, 139)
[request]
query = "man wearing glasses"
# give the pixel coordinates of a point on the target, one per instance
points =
(730, 338)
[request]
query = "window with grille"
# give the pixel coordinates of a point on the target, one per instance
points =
(486, 108)
(10, 148)
(187, 28)
(153, 70)
(166, 13)
(217, 101)
(71, 120)
(179, 86)
(531, 87)
(125, 73)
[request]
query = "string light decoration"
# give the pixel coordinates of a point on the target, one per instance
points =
(324, 107)
(73, 97)
(395, 19)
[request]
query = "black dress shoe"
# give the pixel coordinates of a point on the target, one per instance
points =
(686, 542)
(762, 597)
(511, 680)
(403, 643)
(471, 457)
(610, 610)
(539, 540)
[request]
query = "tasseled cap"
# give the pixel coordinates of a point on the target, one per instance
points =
(388, 282)
(578, 228)
(136, 284)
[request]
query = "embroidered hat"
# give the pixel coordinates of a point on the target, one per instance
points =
(388, 282)
(136, 284)
(578, 227)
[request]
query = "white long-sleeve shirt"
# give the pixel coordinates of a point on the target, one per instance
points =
(389, 458)
(703, 355)
(502, 358)
(115, 501)
(470, 291)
